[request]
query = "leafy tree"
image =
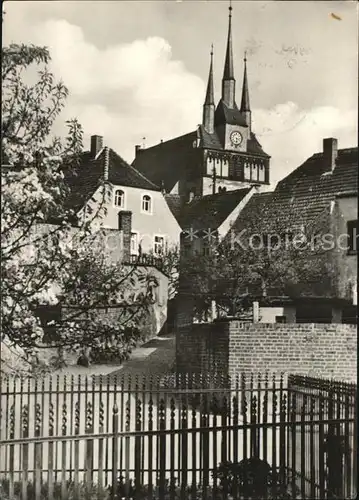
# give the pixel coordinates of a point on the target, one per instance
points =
(258, 261)
(52, 265)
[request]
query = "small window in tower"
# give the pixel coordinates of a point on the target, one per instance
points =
(261, 173)
(224, 172)
(210, 166)
(254, 172)
(247, 171)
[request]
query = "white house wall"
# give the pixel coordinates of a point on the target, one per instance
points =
(160, 222)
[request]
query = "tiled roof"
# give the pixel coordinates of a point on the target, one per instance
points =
(210, 211)
(175, 203)
(88, 176)
(305, 195)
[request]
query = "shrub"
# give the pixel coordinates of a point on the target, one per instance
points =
(251, 478)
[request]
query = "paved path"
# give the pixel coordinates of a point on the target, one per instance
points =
(155, 357)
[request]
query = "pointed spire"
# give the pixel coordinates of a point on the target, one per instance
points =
(208, 107)
(228, 72)
(228, 81)
(245, 106)
(210, 92)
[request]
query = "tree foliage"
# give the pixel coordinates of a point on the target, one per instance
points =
(52, 265)
(254, 261)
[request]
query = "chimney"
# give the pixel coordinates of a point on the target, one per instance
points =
(96, 145)
(125, 225)
(107, 164)
(330, 150)
(137, 149)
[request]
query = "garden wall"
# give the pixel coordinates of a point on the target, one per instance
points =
(229, 347)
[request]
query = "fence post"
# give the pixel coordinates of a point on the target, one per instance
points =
(50, 458)
(334, 448)
(64, 457)
(101, 446)
(282, 437)
(138, 448)
(127, 447)
(114, 450)
(162, 450)
(25, 454)
(38, 450)
(89, 447)
(12, 436)
(172, 448)
(184, 426)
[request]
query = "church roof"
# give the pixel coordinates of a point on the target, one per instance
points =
(168, 161)
(226, 115)
(210, 211)
(89, 175)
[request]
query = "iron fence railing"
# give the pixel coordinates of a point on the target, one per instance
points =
(166, 438)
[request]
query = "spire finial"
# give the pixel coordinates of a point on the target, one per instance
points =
(212, 50)
(245, 93)
(228, 73)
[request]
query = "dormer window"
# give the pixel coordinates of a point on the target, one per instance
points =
(147, 204)
(119, 200)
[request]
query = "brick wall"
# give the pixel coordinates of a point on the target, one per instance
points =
(322, 350)
(202, 349)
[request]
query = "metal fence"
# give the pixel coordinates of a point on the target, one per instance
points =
(165, 438)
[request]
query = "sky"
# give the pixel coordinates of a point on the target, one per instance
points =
(137, 71)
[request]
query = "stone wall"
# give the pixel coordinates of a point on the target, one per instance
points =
(320, 350)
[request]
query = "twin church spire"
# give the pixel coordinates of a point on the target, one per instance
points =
(228, 86)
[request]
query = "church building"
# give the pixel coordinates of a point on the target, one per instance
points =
(222, 154)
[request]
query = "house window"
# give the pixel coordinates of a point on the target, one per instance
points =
(146, 204)
(134, 244)
(159, 245)
(352, 231)
(119, 198)
(205, 250)
(280, 319)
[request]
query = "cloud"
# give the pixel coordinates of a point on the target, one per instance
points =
(290, 134)
(126, 91)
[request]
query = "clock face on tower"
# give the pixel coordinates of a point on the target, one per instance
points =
(236, 138)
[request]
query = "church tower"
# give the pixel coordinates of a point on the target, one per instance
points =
(223, 153)
(230, 122)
